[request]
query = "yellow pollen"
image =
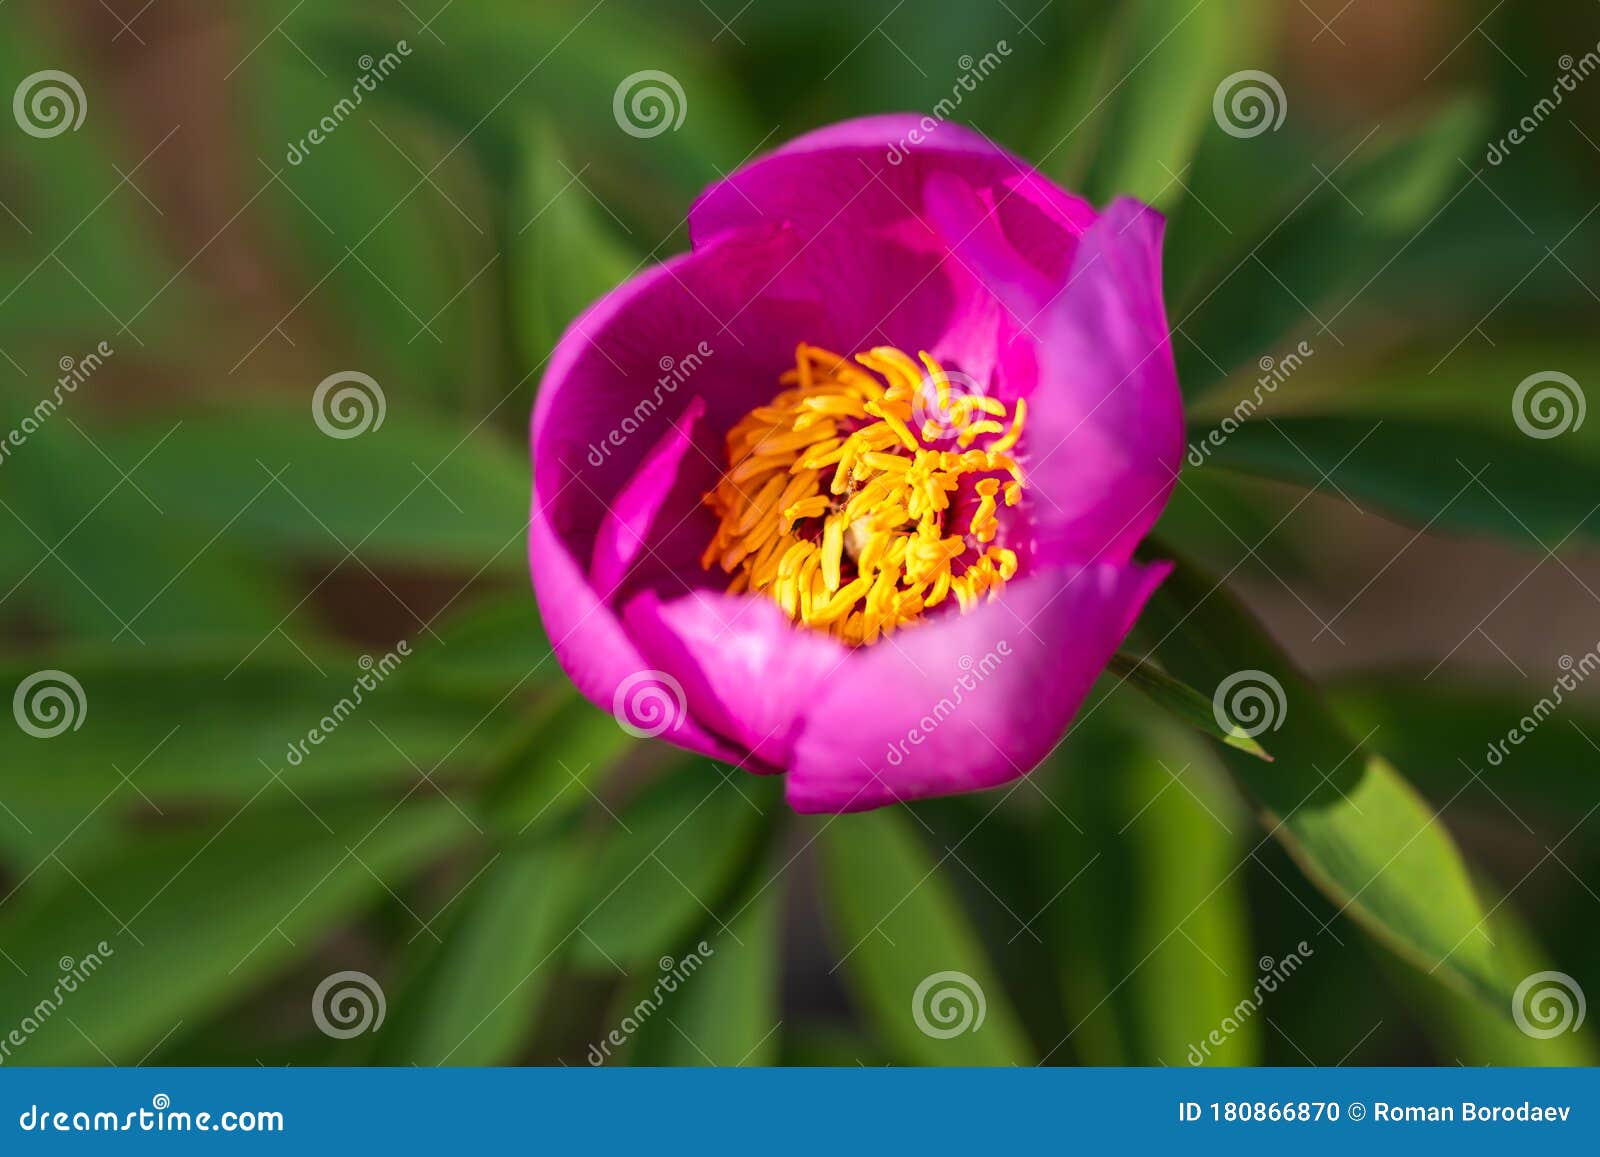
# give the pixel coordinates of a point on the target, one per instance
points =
(868, 492)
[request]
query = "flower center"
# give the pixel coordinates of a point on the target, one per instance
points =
(866, 493)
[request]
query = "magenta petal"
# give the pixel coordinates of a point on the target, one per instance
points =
(1105, 432)
(747, 672)
(867, 174)
(588, 640)
(973, 232)
(735, 306)
(627, 526)
(966, 702)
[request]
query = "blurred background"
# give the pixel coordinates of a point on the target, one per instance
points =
(213, 215)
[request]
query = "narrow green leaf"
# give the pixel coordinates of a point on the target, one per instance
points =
(1071, 116)
(1174, 54)
(1182, 702)
(270, 480)
(825, 1044)
(198, 725)
(1359, 831)
(192, 919)
(1443, 732)
(1439, 443)
(517, 58)
(489, 646)
(86, 260)
(554, 763)
(405, 274)
(95, 557)
(476, 1001)
(565, 250)
(668, 859)
(908, 951)
(1321, 253)
(1469, 1034)
(727, 1012)
(1156, 952)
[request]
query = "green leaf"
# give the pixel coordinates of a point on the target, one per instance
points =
(726, 1013)
(477, 999)
(406, 273)
(192, 919)
(1437, 443)
(1182, 702)
(1328, 253)
(206, 725)
(564, 250)
(1155, 944)
(268, 480)
(1173, 55)
(907, 950)
(669, 859)
(515, 59)
(1546, 778)
(85, 260)
(826, 1044)
(1358, 830)
(96, 559)
(555, 762)
(1070, 120)
(1432, 473)
(489, 646)
(1469, 1034)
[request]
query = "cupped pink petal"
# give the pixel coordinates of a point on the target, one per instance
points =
(869, 174)
(712, 329)
(588, 639)
(719, 324)
(1104, 441)
(748, 673)
(631, 519)
(964, 702)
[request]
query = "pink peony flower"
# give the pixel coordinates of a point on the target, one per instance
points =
(850, 492)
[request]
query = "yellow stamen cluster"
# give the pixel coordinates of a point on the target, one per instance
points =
(837, 499)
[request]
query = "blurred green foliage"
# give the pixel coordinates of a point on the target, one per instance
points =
(217, 573)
